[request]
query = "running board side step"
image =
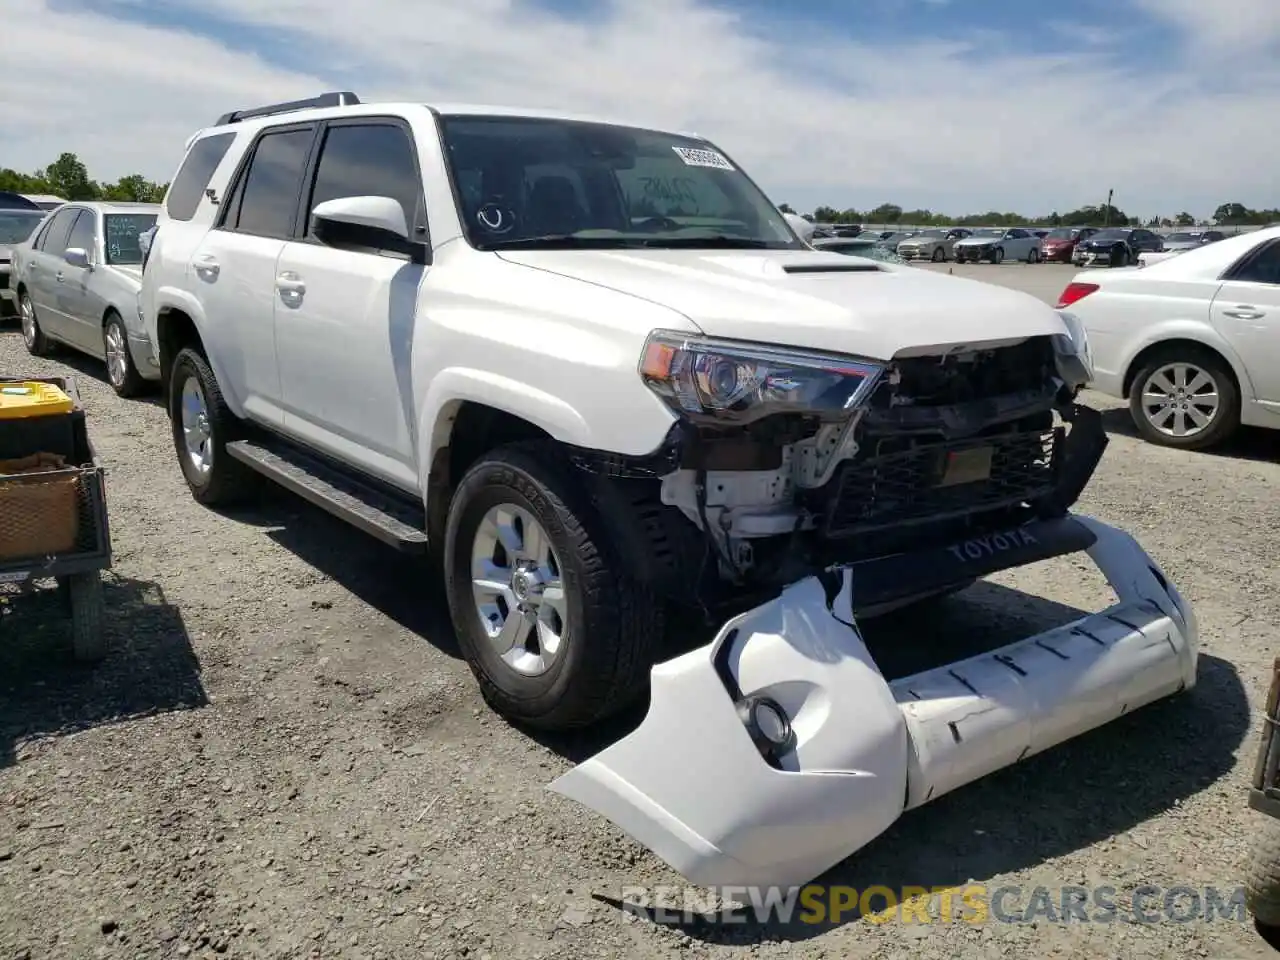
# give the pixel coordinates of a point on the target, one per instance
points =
(392, 520)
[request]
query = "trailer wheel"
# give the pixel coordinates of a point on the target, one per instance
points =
(88, 615)
(1262, 881)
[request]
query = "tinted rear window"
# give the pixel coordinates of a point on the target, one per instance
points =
(189, 185)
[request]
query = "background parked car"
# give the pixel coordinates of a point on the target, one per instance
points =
(1191, 342)
(934, 245)
(16, 225)
(1190, 239)
(1116, 247)
(1060, 244)
(77, 279)
(997, 244)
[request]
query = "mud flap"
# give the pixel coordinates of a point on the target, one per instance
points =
(692, 786)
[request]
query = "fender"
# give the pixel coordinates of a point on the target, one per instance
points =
(645, 432)
(178, 298)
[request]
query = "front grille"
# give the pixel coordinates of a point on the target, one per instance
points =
(934, 481)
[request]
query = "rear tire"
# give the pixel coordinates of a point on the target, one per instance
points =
(213, 476)
(612, 625)
(997, 255)
(1225, 419)
(939, 255)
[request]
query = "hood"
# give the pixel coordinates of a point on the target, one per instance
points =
(1095, 242)
(1060, 241)
(977, 241)
(1183, 244)
(807, 299)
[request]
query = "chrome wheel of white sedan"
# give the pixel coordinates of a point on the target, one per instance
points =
(1185, 398)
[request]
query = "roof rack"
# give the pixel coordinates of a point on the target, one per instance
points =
(338, 99)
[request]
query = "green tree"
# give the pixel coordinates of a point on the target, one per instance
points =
(68, 177)
(785, 208)
(1184, 219)
(134, 187)
(885, 213)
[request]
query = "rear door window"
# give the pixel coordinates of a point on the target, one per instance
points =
(53, 240)
(265, 199)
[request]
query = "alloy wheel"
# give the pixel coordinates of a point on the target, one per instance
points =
(518, 591)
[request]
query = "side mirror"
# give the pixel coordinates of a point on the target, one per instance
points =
(76, 256)
(366, 223)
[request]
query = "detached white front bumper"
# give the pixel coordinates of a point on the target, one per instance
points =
(691, 784)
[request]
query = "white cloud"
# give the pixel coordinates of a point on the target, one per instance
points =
(962, 125)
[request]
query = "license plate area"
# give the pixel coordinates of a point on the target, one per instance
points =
(965, 466)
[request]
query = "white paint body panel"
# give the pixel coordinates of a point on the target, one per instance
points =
(867, 749)
(1183, 297)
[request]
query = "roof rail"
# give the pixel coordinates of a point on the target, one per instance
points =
(338, 99)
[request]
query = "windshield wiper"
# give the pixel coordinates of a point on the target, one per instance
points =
(560, 241)
(718, 241)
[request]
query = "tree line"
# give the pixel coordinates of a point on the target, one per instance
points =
(1227, 214)
(68, 178)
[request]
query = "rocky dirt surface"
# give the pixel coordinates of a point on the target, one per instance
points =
(284, 757)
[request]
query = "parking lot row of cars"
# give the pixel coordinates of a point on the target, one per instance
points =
(1083, 246)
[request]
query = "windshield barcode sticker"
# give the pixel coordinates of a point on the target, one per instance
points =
(702, 158)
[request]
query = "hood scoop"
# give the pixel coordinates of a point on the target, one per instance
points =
(831, 268)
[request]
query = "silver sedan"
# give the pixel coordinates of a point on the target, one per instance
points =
(77, 280)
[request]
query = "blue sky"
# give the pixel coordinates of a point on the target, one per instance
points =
(948, 105)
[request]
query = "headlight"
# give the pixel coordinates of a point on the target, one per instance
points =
(1074, 346)
(740, 382)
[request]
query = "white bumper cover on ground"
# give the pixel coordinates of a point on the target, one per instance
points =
(691, 785)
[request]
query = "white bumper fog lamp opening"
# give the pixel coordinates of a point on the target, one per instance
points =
(767, 724)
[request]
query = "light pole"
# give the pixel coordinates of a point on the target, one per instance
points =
(1106, 211)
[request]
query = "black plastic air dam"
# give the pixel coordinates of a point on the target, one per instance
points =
(889, 579)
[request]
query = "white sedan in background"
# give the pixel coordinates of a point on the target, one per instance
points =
(1192, 342)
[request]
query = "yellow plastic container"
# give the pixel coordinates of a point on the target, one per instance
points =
(32, 399)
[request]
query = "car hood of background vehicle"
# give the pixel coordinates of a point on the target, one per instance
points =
(1101, 244)
(977, 241)
(748, 295)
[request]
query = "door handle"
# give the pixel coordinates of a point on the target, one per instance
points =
(207, 267)
(58, 276)
(1245, 312)
(290, 283)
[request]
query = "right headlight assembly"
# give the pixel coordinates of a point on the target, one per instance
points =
(729, 381)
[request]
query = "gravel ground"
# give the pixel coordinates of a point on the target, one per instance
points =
(284, 757)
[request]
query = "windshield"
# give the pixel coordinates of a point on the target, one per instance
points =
(122, 231)
(17, 225)
(989, 232)
(1110, 235)
(530, 182)
(1062, 234)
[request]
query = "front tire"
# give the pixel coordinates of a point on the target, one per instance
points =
(555, 630)
(122, 373)
(939, 255)
(33, 337)
(1185, 398)
(202, 427)
(1033, 256)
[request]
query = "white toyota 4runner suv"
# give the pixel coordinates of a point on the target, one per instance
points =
(594, 369)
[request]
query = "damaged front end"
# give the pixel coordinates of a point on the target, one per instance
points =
(804, 492)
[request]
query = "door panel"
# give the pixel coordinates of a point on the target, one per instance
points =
(345, 340)
(1246, 311)
(45, 264)
(72, 292)
(344, 318)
